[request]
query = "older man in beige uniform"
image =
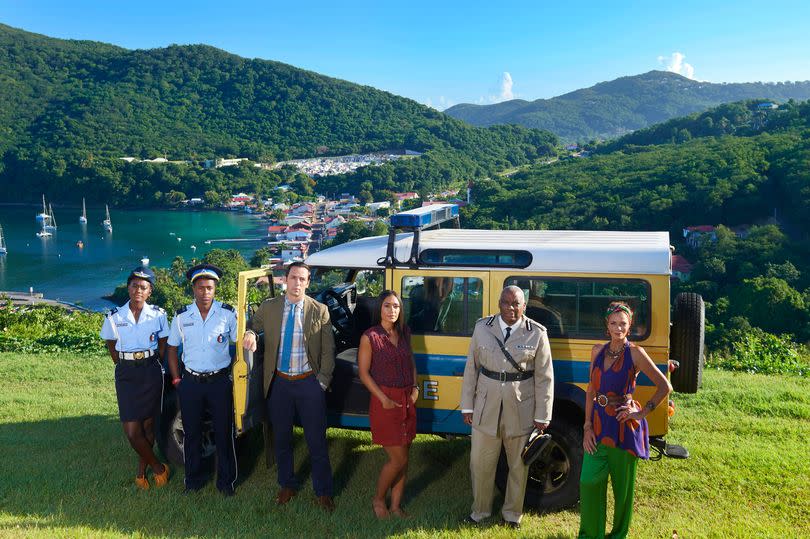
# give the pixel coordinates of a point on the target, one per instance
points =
(503, 403)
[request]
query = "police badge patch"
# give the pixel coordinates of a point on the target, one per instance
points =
(220, 338)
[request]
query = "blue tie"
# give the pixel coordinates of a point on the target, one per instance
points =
(286, 353)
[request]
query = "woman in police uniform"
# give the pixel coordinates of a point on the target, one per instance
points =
(136, 336)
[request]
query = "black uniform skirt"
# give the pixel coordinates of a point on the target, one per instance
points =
(139, 389)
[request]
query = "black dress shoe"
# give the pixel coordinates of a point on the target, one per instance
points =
(470, 521)
(509, 523)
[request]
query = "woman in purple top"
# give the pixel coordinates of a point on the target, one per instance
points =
(387, 369)
(615, 432)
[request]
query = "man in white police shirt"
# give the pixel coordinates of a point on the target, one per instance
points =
(205, 329)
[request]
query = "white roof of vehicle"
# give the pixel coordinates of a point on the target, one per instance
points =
(553, 251)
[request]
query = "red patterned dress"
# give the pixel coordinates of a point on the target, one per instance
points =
(392, 370)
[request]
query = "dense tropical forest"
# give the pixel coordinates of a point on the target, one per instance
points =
(744, 171)
(69, 110)
(614, 108)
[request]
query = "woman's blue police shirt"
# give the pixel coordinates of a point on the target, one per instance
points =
(131, 336)
(205, 342)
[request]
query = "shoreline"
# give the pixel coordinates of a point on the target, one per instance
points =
(20, 299)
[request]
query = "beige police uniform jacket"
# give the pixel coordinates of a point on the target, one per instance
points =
(522, 401)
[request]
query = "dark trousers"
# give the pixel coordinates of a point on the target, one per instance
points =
(216, 396)
(306, 398)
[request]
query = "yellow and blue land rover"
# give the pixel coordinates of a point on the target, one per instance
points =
(450, 277)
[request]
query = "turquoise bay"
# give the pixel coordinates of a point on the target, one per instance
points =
(61, 270)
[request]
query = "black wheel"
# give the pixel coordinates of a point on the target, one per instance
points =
(552, 484)
(170, 434)
(686, 342)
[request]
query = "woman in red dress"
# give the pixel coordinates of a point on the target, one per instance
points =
(387, 369)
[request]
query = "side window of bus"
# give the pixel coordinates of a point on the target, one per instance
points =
(442, 305)
(575, 308)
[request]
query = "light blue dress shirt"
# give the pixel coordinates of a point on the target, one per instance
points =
(205, 342)
(131, 336)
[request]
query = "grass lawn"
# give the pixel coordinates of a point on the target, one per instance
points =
(67, 470)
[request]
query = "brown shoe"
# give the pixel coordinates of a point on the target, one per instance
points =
(326, 503)
(284, 495)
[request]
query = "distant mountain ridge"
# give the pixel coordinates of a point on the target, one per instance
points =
(70, 109)
(615, 108)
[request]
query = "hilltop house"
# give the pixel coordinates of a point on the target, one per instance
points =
(681, 268)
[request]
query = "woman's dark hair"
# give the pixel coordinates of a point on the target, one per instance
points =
(376, 318)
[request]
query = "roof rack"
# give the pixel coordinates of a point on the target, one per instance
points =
(416, 221)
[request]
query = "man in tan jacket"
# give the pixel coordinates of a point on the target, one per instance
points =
(299, 357)
(503, 402)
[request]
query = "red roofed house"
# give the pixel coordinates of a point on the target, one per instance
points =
(681, 268)
(410, 195)
(274, 230)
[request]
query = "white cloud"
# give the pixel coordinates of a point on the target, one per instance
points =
(442, 103)
(506, 87)
(502, 92)
(675, 64)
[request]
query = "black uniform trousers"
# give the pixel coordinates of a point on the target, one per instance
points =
(216, 396)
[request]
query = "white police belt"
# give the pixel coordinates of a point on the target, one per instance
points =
(137, 356)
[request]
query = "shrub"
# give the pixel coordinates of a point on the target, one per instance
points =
(756, 351)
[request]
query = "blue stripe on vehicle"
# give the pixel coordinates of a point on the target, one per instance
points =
(565, 370)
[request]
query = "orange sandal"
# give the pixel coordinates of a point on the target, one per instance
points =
(141, 482)
(162, 478)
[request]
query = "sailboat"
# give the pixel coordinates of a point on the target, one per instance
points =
(43, 216)
(44, 233)
(107, 223)
(83, 216)
(50, 223)
(3, 249)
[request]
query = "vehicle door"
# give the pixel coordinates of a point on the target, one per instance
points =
(441, 308)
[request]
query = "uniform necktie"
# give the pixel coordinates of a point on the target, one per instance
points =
(286, 353)
(508, 332)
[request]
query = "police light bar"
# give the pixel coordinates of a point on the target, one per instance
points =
(425, 217)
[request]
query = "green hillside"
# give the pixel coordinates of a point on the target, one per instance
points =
(614, 108)
(69, 109)
(757, 180)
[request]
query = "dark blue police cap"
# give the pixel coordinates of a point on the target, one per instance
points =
(142, 272)
(208, 271)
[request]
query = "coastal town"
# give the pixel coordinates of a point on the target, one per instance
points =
(296, 230)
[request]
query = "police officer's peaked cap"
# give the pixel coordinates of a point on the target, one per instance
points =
(209, 271)
(142, 272)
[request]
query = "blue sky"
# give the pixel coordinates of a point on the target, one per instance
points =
(445, 52)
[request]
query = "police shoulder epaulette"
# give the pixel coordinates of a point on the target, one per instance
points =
(228, 307)
(490, 320)
(181, 310)
(531, 324)
(112, 311)
(159, 309)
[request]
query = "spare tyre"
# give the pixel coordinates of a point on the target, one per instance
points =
(686, 341)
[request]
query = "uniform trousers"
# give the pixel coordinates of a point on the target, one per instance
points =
(307, 399)
(620, 465)
(216, 396)
(484, 456)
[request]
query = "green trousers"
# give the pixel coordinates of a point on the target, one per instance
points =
(621, 467)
